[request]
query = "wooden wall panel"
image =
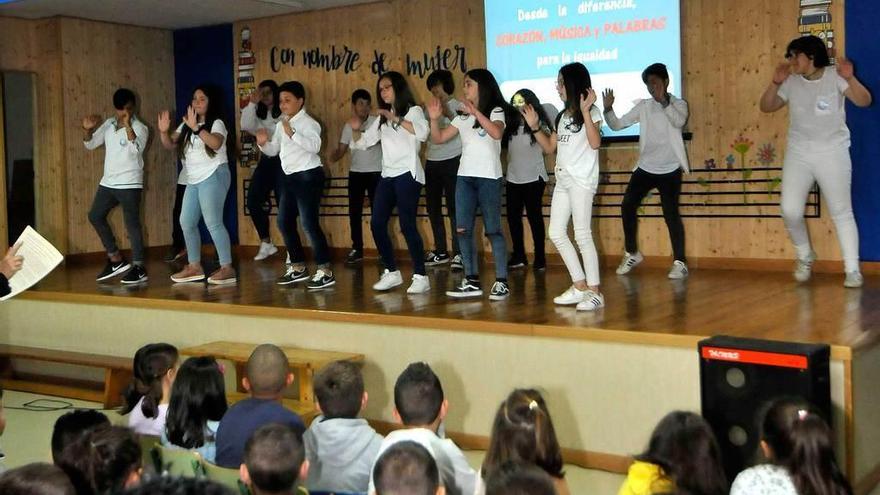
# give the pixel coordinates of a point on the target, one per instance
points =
(728, 52)
(34, 46)
(99, 58)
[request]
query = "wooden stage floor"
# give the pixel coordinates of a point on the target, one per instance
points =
(644, 306)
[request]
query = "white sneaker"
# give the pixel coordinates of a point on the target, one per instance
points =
(571, 296)
(389, 280)
(853, 280)
(266, 249)
(420, 284)
(629, 262)
(678, 271)
(592, 301)
(803, 269)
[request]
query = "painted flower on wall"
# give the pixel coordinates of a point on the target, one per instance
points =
(766, 154)
(710, 164)
(742, 145)
(729, 160)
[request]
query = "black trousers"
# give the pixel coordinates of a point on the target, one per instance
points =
(177, 241)
(359, 185)
(527, 196)
(264, 180)
(440, 178)
(669, 186)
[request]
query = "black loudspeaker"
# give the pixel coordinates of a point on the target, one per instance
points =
(738, 377)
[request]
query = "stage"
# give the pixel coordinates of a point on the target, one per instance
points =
(609, 375)
(644, 306)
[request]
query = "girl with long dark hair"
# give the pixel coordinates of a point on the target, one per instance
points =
(526, 179)
(147, 397)
(262, 112)
(200, 141)
(198, 402)
(480, 178)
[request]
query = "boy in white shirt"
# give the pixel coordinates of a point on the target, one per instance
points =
(420, 406)
(124, 138)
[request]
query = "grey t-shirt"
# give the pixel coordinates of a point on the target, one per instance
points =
(451, 148)
(368, 160)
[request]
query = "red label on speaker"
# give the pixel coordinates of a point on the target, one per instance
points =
(755, 357)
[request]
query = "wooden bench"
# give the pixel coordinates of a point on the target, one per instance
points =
(117, 374)
(303, 363)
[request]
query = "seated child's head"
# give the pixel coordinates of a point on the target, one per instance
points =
(39, 478)
(274, 459)
(73, 425)
(512, 478)
(339, 389)
(198, 396)
(179, 485)
(106, 460)
(268, 372)
(407, 468)
(794, 435)
(523, 432)
(153, 371)
(685, 448)
(418, 397)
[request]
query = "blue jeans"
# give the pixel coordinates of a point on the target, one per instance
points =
(471, 192)
(205, 200)
(402, 191)
(301, 196)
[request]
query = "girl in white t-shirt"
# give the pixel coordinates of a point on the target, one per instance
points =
(200, 141)
(576, 143)
(818, 147)
(262, 112)
(146, 399)
(526, 180)
(799, 449)
(480, 178)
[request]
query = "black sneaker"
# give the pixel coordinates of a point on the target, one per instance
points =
(499, 291)
(432, 259)
(136, 275)
(354, 256)
(539, 265)
(174, 254)
(468, 288)
(113, 269)
(321, 280)
(457, 264)
(516, 263)
(293, 275)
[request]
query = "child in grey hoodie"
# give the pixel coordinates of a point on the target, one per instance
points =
(340, 447)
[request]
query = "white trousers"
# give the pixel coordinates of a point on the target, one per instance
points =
(832, 170)
(571, 201)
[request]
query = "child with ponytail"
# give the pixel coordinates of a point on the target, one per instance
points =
(149, 393)
(523, 433)
(798, 446)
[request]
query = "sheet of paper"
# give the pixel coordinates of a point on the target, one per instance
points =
(40, 258)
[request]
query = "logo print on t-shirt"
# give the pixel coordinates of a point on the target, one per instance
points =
(482, 132)
(563, 138)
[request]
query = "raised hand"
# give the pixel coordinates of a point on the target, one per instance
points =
(435, 109)
(607, 98)
(125, 119)
(191, 119)
(355, 123)
(89, 122)
(469, 108)
(845, 68)
(389, 116)
(262, 136)
(530, 115)
(781, 73)
(587, 102)
(164, 121)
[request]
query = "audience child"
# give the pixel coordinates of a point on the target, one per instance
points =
(198, 402)
(268, 374)
(512, 478)
(340, 446)
(107, 460)
(39, 478)
(407, 468)
(274, 461)
(154, 368)
(523, 432)
(682, 457)
(799, 449)
(420, 406)
(72, 426)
